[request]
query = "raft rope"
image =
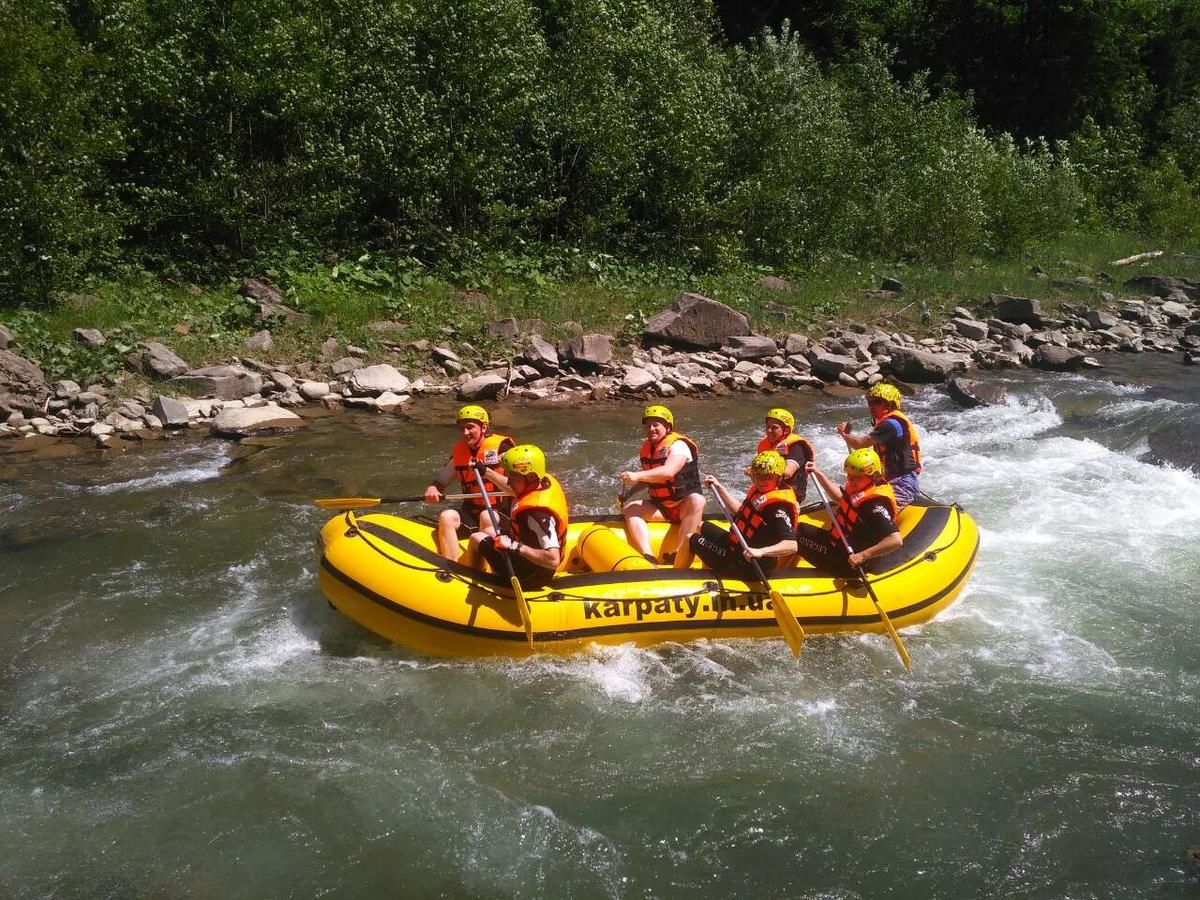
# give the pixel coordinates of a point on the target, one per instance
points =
(560, 596)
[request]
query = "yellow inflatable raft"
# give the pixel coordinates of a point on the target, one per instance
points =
(383, 572)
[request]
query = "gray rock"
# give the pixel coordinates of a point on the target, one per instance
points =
(637, 380)
(1099, 319)
(270, 302)
(344, 366)
(159, 361)
(222, 382)
(5, 338)
(282, 381)
(89, 337)
(371, 381)
(1162, 286)
(750, 346)
(502, 330)
(774, 283)
(170, 411)
(388, 402)
(829, 366)
(314, 390)
(444, 354)
(590, 352)
(542, 355)
(969, 393)
(795, 343)
(235, 423)
(924, 366)
(1057, 359)
(1016, 309)
(67, 390)
(970, 328)
(1176, 312)
(696, 321)
(486, 386)
(260, 341)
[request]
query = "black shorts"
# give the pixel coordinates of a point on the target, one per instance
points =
(712, 545)
(529, 574)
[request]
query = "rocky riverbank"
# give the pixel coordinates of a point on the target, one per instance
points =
(696, 346)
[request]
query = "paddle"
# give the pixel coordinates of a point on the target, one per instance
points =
(360, 502)
(792, 632)
(904, 658)
(522, 603)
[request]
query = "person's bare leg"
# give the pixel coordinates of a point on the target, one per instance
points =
(447, 530)
(473, 557)
(691, 514)
(636, 529)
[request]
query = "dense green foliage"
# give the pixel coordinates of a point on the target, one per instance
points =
(202, 137)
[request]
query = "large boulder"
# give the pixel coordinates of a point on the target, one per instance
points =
(487, 386)
(222, 382)
(159, 361)
(542, 355)
(696, 322)
(243, 421)
(1162, 286)
(924, 366)
(970, 393)
(750, 346)
(830, 366)
(371, 381)
(1016, 309)
(590, 352)
(22, 385)
(171, 412)
(1057, 359)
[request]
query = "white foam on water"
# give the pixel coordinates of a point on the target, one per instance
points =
(209, 467)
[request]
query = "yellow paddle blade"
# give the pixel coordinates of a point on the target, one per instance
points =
(523, 610)
(904, 657)
(348, 502)
(788, 623)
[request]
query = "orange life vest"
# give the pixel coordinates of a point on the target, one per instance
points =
(902, 456)
(751, 513)
(847, 513)
(549, 497)
(489, 454)
(797, 481)
(686, 481)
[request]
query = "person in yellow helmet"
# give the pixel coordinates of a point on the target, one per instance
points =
(780, 436)
(671, 470)
(894, 437)
(537, 527)
(766, 519)
(864, 510)
(477, 448)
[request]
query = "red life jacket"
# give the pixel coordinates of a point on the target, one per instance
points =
(797, 481)
(846, 515)
(489, 454)
(548, 497)
(686, 481)
(753, 511)
(902, 456)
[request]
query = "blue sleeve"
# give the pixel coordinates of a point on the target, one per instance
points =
(887, 431)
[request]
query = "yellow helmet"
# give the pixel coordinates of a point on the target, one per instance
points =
(783, 417)
(658, 412)
(864, 461)
(473, 414)
(885, 392)
(524, 459)
(768, 462)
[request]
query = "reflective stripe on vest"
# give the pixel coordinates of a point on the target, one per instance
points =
(549, 498)
(902, 456)
(783, 448)
(750, 514)
(686, 481)
(846, 516)
(488, 453)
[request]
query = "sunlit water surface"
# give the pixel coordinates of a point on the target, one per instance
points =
(184, 716)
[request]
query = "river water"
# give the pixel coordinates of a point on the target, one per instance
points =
(184, 717)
